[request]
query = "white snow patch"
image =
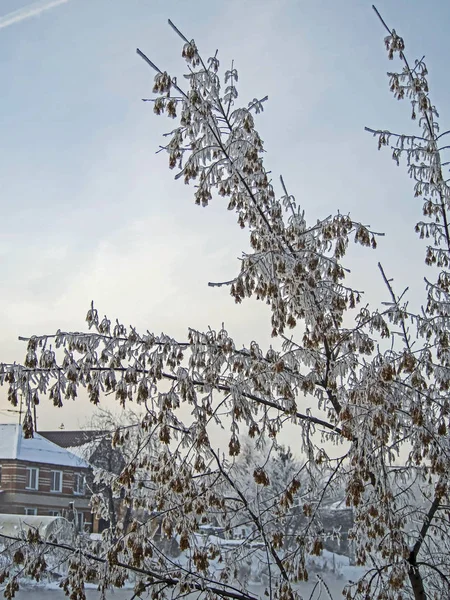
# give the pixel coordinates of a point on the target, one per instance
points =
(14, 446)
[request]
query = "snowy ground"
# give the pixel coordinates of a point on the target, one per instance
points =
(334, 569)
(41, 593)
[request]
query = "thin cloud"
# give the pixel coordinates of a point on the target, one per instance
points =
(32, 10)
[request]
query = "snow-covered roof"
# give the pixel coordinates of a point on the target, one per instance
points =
(15, 524)
(14, 446)
(84, 451)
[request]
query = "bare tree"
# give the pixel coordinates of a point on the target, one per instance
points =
(380, 377)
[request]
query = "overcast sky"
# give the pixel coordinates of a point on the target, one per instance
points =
(89, 211)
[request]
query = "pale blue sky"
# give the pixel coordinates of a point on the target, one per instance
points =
(90, 212)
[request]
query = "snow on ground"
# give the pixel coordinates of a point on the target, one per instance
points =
(335, 564)
(333, 569)
(335, 587)
(43, 594)
(329, 574)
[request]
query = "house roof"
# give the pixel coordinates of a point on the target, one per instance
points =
(70, 439)
(85, 451)
(94, 445)
(38, 449)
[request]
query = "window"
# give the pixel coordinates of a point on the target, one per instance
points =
(54, 513)
(78, 484)
(0, 475)
(80, 521)
(32, 478)
(56, 478)
(31, 511)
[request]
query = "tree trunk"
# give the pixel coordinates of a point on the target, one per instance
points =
(416, 581)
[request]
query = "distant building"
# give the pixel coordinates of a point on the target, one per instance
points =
(67, 439)
(95, 447)
(38, 477)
